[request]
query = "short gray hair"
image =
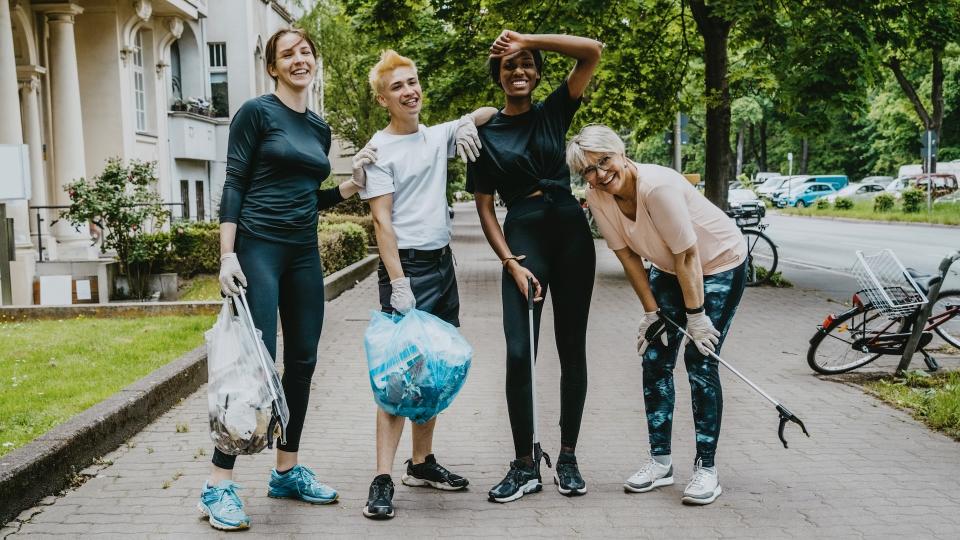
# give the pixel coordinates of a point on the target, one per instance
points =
(596, 138)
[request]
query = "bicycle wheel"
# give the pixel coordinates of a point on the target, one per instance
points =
(761, 257)
(949, 330)
(831, 349)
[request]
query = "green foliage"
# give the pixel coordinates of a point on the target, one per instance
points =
(913, 200)
(195, 249)
(121, 201)
(341, 244)
(843, 203)
(822, 203)
(883, 203)
(365, 222)
(935, 400)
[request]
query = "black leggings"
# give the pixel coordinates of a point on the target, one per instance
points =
(288, 277)
(556, 240)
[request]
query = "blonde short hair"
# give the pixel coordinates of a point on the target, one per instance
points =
(596, 138)
(389, 61)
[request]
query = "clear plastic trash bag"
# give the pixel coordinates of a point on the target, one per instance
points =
(246, 402)
(417, 363)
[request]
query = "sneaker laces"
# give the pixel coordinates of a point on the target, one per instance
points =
(228, 497)
(307, 476)
(700, 476)
(647, 467)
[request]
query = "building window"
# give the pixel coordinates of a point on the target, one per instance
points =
(176, 72)
(218, 55)
(139, 85)
(185, 199)
(219, 97)
(201, 214)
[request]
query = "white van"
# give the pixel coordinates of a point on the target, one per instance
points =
(952, 167)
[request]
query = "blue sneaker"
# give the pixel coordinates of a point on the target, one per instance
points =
(224, 507)
(300, 483)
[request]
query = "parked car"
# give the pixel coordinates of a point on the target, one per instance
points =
(790, 185)
(771, 186)
(737, 198)
(882, 180)
(805, 194)
(858, 192)
(943, 184)
(762, 177)
(837, 181)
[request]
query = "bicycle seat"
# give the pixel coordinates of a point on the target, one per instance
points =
(925, 281)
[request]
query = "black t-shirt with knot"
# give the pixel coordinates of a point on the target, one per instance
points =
(525, 152)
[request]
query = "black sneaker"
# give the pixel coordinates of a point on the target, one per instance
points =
(567, 476)
(380, 502)
(431, 473)
(521, 479)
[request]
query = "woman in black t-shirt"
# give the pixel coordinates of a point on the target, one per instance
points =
(545, 237)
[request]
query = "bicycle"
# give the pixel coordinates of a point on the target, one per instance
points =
(760, 248)
(886, 317)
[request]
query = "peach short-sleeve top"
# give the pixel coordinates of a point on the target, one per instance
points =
(671, 217)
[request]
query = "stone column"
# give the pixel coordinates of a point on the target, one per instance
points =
(21, 270)
(29, 77)
(68, 154)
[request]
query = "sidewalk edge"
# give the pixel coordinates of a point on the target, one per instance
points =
(51, 462)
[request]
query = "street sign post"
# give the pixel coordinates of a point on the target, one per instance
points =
(790, 162)
(928, 152)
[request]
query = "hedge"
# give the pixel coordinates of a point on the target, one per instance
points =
(341, 244)
(366, 222)
(194, 248)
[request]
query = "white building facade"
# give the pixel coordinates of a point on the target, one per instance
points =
(87, 80)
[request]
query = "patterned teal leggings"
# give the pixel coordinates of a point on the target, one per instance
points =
(722, 293)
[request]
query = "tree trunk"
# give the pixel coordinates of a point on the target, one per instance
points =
(763, 145)
(804, 155)
(740, 136)
(933, 121)
(715, 31)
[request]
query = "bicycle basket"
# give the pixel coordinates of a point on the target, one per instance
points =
(886, 283)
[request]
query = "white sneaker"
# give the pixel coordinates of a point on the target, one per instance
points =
(704, 487)
(651, 475)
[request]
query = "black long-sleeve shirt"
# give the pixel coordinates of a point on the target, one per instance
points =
(276, 160)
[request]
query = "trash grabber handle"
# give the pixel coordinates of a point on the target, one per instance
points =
(537, 451)
(785, 414)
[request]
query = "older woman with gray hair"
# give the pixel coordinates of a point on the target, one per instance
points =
(697, 278)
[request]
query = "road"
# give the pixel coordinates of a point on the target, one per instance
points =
(818, 253)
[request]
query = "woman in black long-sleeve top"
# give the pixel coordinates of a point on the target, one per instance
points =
(276, 160)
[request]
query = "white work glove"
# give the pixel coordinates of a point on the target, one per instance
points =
(468, 139)
(650, 324)
(402, 299)
(366, 156)
(231, 276)
(702, 333)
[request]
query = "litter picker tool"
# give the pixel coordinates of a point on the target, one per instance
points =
(785, 414)
(537, 451)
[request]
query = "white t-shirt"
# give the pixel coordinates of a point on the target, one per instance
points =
(414, 168)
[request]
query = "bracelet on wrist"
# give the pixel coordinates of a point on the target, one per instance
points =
(694, 311)
(517, 258)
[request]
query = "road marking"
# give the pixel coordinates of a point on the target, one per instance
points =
(813, 266)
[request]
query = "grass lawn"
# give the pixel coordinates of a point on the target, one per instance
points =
(933, 399)
(944, 214)
(52, 370)
(200, 287)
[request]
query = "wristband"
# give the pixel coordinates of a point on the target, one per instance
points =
(694, 311)
(517, 258)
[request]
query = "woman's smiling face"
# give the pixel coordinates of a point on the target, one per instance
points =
(518, 74)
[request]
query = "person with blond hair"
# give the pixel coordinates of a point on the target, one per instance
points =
(406, 189)
(697, 278)
(276, 161)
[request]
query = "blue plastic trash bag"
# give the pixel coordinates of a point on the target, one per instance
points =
(417, 363)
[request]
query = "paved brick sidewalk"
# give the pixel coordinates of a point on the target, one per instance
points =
(869, 470)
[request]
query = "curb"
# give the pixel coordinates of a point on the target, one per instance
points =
(877, 221)
(51, 462)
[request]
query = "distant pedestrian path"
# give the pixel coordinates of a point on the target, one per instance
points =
(868, 470)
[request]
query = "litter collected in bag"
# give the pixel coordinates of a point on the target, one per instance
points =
(245, 399)
(417, 363)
